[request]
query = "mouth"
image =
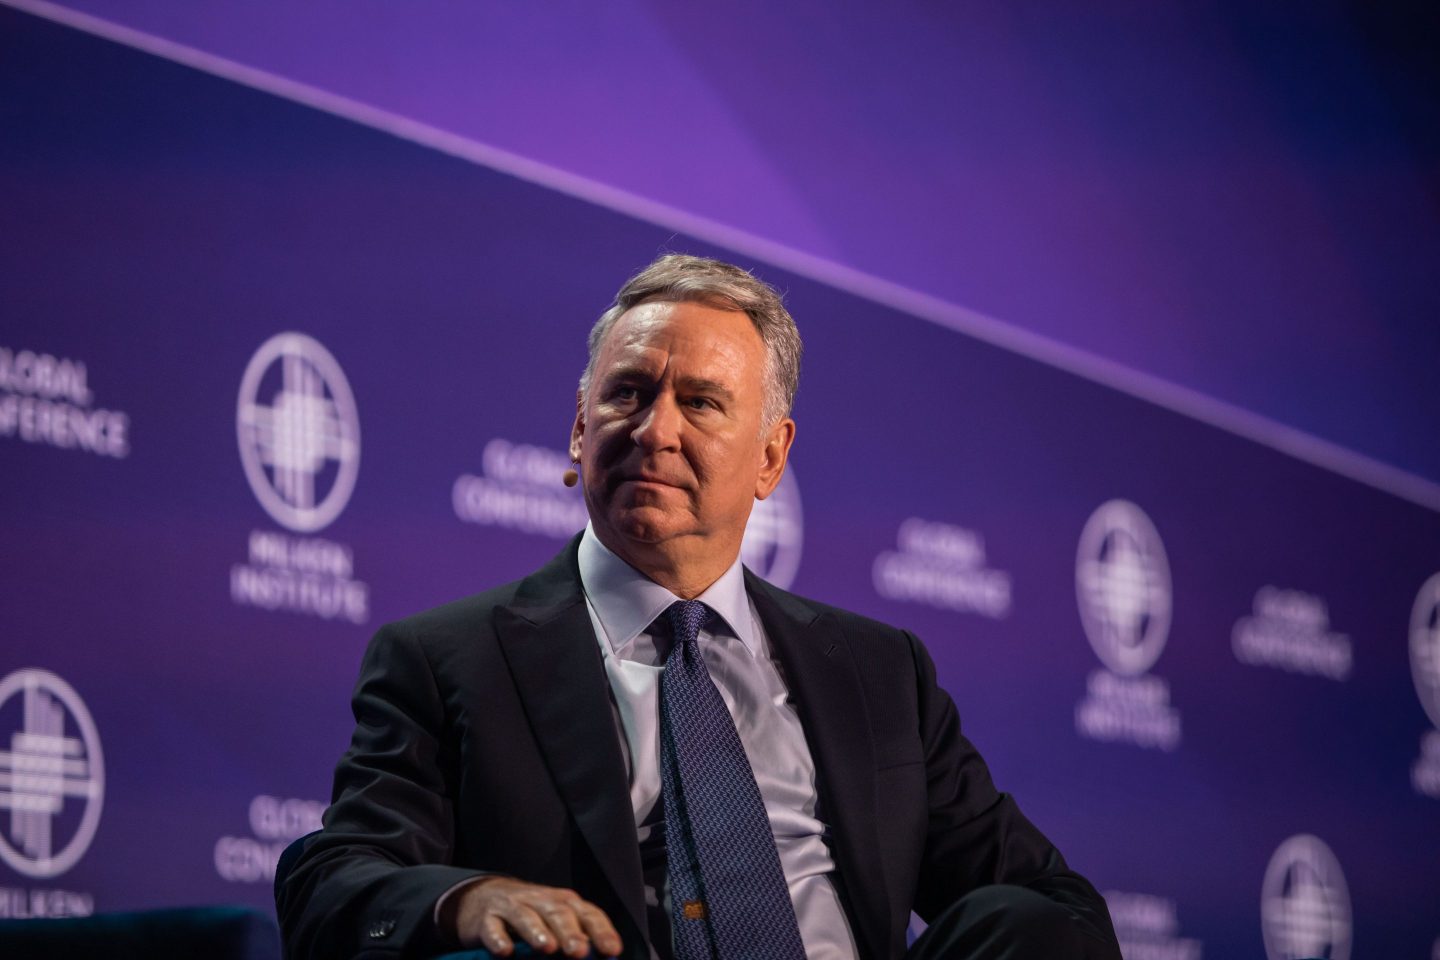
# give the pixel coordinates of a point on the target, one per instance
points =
(644, 481)
(648, 482)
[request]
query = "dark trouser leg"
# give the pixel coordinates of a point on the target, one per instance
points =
(1004, 923)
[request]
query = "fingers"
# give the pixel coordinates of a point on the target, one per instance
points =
(601, 932)
(581, 926)
(560, 916)
(531, 927)
(497, 910)
(493, 936)
(497, 925)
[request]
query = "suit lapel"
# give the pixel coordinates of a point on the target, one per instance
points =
(825, 687)
(550, 645)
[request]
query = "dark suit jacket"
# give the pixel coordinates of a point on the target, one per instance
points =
(485, 741)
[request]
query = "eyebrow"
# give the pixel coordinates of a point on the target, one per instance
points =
(702, 385)
(694, 384)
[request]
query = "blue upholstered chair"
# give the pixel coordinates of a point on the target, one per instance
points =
(215, 933)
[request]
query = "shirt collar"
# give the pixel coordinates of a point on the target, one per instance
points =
(627, 602)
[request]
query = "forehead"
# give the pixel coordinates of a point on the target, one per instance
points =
(694, 335)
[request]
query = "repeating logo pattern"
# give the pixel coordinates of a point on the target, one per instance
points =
(1148, 927)
(521, 489)
(299, 432)
(54, 764)
(1425, 647)
(47, 400)
(1291, 630)
(274, 823)
(1305, 905)
(1122, 582)
(775, 534)
(944, 566)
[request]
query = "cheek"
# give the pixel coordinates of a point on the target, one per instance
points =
(728, 472)
(606, 441)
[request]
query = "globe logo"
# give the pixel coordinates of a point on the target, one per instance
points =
(54, 774)
(1425, 647)
(775, 534)
(1304, 904)
(1122, 584)
(299, 432)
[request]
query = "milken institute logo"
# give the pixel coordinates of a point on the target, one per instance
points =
(299, 432)
(51, 766)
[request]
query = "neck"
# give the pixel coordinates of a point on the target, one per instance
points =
(685, 568)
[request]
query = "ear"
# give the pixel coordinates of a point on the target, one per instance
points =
(577, 429)
(773, 457)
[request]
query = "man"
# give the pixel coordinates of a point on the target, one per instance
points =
(644, 750)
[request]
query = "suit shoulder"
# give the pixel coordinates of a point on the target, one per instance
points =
(856, 624)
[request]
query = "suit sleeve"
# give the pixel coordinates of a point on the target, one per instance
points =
(368, 882)
(977, 836)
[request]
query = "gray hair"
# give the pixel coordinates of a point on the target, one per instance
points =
(680, 278)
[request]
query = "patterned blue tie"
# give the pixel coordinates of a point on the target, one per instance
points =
(728, 899)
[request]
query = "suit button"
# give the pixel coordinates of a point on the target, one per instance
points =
(380, 929)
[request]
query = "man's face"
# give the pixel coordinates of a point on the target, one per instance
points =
(669, 438)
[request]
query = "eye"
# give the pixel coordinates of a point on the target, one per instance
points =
(699, 403)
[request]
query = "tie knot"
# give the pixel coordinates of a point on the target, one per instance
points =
(686, 617)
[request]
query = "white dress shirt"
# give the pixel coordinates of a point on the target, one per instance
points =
(623, 604)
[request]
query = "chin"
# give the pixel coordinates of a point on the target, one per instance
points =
(646, 525)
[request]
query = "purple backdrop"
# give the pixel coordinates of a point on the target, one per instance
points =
(1209, 670)
(1236, 198)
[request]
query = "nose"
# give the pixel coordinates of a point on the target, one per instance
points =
(659, 426)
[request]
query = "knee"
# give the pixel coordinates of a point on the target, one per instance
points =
(1006, 921)
(1020, 909)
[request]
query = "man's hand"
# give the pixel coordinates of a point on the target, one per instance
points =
(492, 910)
